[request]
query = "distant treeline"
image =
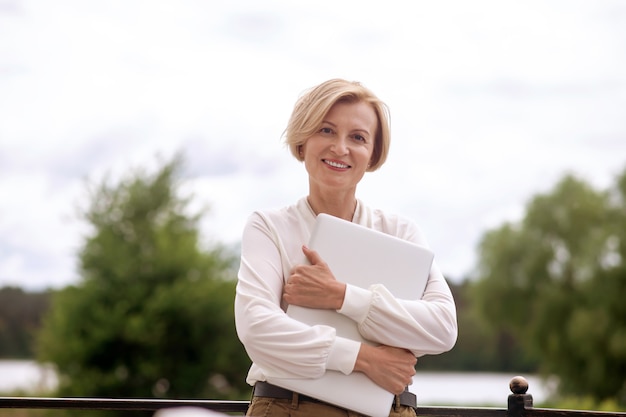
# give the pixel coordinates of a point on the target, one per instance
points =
(21, 314)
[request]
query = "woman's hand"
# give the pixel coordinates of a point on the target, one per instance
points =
(314, 285)
(389, 367)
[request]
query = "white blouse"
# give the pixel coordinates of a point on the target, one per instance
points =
(282, 347)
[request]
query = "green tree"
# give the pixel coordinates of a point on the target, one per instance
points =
(153, 313)
(557, 281)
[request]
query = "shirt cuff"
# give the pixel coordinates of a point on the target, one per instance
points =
(356, 303)
(342, 356)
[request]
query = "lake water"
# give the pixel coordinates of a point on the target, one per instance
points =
(431, 388)
(27, 376)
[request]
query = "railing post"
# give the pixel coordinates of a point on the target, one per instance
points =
(519, 401)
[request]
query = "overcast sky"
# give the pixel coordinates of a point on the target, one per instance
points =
(491, 103)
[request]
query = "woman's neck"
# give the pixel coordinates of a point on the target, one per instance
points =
(342, 207)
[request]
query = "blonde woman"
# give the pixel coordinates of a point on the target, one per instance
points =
(339, 130)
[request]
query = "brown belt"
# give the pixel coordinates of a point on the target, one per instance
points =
(265, 389)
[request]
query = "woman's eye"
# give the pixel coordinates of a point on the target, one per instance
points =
(326, 130)
(359, 138)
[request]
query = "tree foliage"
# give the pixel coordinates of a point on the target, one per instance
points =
(153, 313)
(557, 280)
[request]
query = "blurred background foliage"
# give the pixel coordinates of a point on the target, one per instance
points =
(557, 280)
(153, 313)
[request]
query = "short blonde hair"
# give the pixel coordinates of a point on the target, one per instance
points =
(315, 103)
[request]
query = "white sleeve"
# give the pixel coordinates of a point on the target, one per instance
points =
(425, 326)
(279, 345)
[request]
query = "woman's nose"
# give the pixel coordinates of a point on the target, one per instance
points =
(340, 146)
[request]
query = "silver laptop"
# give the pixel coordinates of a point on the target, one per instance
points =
(362, 257)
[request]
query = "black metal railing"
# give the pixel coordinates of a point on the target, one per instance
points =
(519, 404)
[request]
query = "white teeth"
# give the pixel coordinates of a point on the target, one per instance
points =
(336, 164)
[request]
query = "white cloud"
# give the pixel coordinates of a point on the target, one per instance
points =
(491, 103)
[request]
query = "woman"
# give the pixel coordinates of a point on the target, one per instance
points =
(340, 130)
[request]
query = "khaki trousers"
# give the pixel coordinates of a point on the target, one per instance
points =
(278, 407)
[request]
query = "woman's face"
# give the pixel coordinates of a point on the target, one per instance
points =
(339, 153)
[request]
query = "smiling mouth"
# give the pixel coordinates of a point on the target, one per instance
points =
(335, 164)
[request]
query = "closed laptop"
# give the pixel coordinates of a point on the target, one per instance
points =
(359, 256)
